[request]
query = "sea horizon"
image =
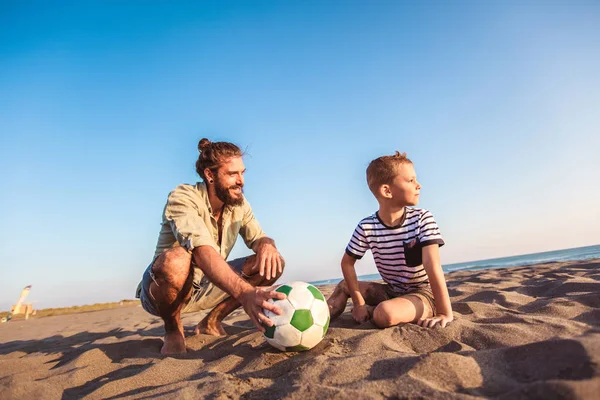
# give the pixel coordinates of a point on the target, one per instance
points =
(571, 254)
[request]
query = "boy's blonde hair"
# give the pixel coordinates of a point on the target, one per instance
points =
(382, 170)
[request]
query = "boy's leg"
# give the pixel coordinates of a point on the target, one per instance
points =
(211, 324)
(170, 290)
(373, 293)
(399, 310)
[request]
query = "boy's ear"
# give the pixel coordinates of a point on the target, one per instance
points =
(385, 192)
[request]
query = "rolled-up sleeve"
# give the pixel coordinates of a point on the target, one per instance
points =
(188, 226)
(250, 229)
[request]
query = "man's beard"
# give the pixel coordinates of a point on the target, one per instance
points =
(223, 194)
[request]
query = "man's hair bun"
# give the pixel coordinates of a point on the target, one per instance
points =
(203, 144)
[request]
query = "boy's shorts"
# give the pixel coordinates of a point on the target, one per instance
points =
(424, 293)
(205, 294)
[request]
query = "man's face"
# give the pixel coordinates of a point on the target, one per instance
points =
(405, 188)
(229, 181)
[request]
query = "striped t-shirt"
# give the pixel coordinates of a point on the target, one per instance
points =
(397, 250)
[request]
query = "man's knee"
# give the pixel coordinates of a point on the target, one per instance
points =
(173, 266)
(251, 267)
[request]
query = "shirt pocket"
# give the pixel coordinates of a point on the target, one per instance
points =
(413, 255)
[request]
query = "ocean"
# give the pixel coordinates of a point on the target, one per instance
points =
(579, 253)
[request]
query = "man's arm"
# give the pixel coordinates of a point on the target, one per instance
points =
(218, 271)
(252, 299)
(267, 257)
(433, 267)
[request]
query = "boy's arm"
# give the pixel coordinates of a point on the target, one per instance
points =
(351, 280)
(433, 267)
(359, 311)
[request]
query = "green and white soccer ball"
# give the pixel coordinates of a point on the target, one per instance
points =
(304, 320)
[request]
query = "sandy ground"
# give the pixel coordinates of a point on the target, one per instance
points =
(527, 332)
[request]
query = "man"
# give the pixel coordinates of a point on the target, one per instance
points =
(200, 226)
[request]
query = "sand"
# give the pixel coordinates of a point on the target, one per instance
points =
(526, 332)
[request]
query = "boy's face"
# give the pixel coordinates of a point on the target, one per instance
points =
(404, 189)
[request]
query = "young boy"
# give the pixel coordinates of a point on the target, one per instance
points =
(405, 245)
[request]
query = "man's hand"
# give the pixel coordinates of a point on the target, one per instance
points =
(440, 319)
(268, 258)
(255, 300)
(361, 313)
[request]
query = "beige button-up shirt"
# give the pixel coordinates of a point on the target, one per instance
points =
(188, 221)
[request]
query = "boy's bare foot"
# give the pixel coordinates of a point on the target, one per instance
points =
(210, 327)
(174, 343)
(370, 310)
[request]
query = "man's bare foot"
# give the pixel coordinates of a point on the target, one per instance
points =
(210, 327)
(174, 343)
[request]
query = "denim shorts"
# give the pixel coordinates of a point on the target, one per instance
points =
(205, 294)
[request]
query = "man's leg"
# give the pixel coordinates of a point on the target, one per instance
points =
(400, 310)
(373, 293)
(171, 290)
(211, 324)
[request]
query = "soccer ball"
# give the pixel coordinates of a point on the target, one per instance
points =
(304, 320)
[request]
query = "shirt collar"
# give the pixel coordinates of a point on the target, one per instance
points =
(201, 187)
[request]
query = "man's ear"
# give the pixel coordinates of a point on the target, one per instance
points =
(209, 175)
(385, 191)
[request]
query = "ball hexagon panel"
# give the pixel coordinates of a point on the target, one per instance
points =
(287, 336)
(301, 298)
(286, 315)
(320, 312)
(312, 336)
(298, 284)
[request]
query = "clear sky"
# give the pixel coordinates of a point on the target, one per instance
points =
(102, 104)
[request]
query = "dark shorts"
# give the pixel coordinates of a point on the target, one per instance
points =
(205, 294)
(424, 293)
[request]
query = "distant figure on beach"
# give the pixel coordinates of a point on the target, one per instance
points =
(200, 226)
(405, 244)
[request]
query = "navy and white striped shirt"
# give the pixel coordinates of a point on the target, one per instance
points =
(397, 250)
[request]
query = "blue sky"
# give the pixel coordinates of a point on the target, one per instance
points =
(102, 105)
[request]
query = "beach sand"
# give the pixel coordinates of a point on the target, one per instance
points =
(525, 332)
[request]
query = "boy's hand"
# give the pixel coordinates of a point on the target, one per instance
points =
(441, 319)
(361, 313)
